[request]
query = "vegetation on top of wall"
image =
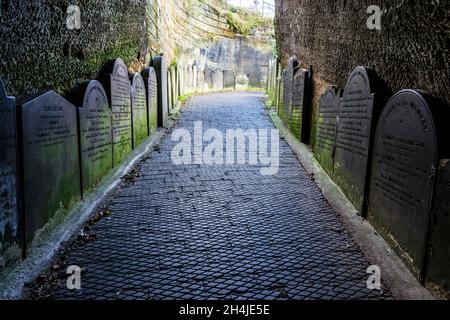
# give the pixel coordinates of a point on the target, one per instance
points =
(244, 21)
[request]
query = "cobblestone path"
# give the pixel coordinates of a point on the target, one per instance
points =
(220, 231)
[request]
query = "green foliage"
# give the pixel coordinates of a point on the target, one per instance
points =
(243, 21)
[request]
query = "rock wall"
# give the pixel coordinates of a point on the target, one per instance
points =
(38, 52)
(410, 51)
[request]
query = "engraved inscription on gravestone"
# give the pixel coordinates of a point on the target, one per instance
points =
(159, 64)
(402, 178)
(288, 89)
(438, 270)
(139, 110)
(326, 128)
(299, 115)
(9, 196)
(51, 169)
(116, 82)
(95, 128)
(353, 141)
(151, 85)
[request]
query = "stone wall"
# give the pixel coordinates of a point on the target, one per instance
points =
(38, 52)
(410, 51)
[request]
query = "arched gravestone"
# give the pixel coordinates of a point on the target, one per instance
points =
(95, 129)
(357, 115)
(218, 79)
(300, 110)
(201, 80)
(191, 78)
(114, 78)
(403, 174)
(288, 89)
(187, 82)
(9, 183)
(438, 269)
(174, 87)
(139, 110)
(209, 75)
(159, 64)
(169, 90)
(281, 95)
(326, 128)
(51, 167)
(195, 73)
(151, 85)
(229, 79)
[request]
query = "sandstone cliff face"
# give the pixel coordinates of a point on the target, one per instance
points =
(39, 52)
(410, 51)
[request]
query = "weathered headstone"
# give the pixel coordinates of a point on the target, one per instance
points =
(288, 90)
(201, 80)
(151, 85)
(438, 269)
(357, 115)
(169, 90)
(195, 74)
(9, 182)
(209, 76)
(281, 95)
(191, 78)
(229, 79)
(218, 80)
(300, 110)
(326, 128)
(116, 82)
(51, 168)
(159, 64)
(139, 110)
(403, 171)
(95, 129)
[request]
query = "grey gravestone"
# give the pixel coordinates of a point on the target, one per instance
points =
(209, 76)
(288, 90)
(326, 128)
(229, 79)
(191, 78)
(438, 270)
(353, 141)
(201, 80)
(51, 168)
(281, 95)
(151, 85)
(9, 195)
(300, 109)
(95, 129)
(402, 178)
(116, 82)
(180, 79)
(218, 79)
(169, 90)
(139, 110)
(195, 73)
(159, 64)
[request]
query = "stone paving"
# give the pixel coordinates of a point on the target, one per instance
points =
(220, 231)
